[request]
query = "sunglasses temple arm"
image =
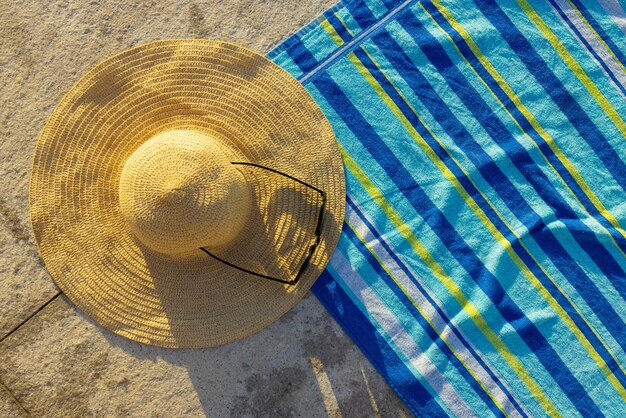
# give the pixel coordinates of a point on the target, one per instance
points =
(312, 248)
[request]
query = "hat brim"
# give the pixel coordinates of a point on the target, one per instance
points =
(235, 95)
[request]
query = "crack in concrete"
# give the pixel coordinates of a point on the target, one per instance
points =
(14, 398)
(31, 316)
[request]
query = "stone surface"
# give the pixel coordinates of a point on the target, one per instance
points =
(60, 363)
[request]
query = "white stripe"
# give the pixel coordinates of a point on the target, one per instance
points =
(616, 12)
(398, 338)
(354, 41)
(593, 41)
(445, 330)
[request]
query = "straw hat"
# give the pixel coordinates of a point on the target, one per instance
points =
(186, 193)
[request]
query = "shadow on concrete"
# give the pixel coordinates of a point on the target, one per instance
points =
(276, 242)
(303, 364)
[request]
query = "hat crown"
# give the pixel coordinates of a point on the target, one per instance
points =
(179, 191)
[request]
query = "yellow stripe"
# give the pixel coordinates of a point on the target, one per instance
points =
(569, 166)
(584, 20)
(425, 316)
(333, 34)
(468, 307)
(573, 65)
(564, 316)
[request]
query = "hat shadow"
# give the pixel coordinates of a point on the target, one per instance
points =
(298, 331)
(277, 237)
(277, 242)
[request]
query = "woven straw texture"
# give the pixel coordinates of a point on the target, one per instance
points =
(257, 113)
(180, 192)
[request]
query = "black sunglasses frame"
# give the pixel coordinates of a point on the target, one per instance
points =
(312, 248)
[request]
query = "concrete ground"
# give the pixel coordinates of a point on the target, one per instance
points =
(55, 361)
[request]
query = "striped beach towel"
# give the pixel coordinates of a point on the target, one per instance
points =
(482, 262)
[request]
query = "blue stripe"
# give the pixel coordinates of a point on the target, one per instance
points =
(339, 27)
(361, 13)
(457, 246)
(301, 55)
(439, 311)
(426, 326)
(589, 48)
(354, 43)
(373, 345)
(537, 228)
(391, 4)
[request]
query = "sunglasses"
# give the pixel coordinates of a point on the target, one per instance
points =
(309, 254)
